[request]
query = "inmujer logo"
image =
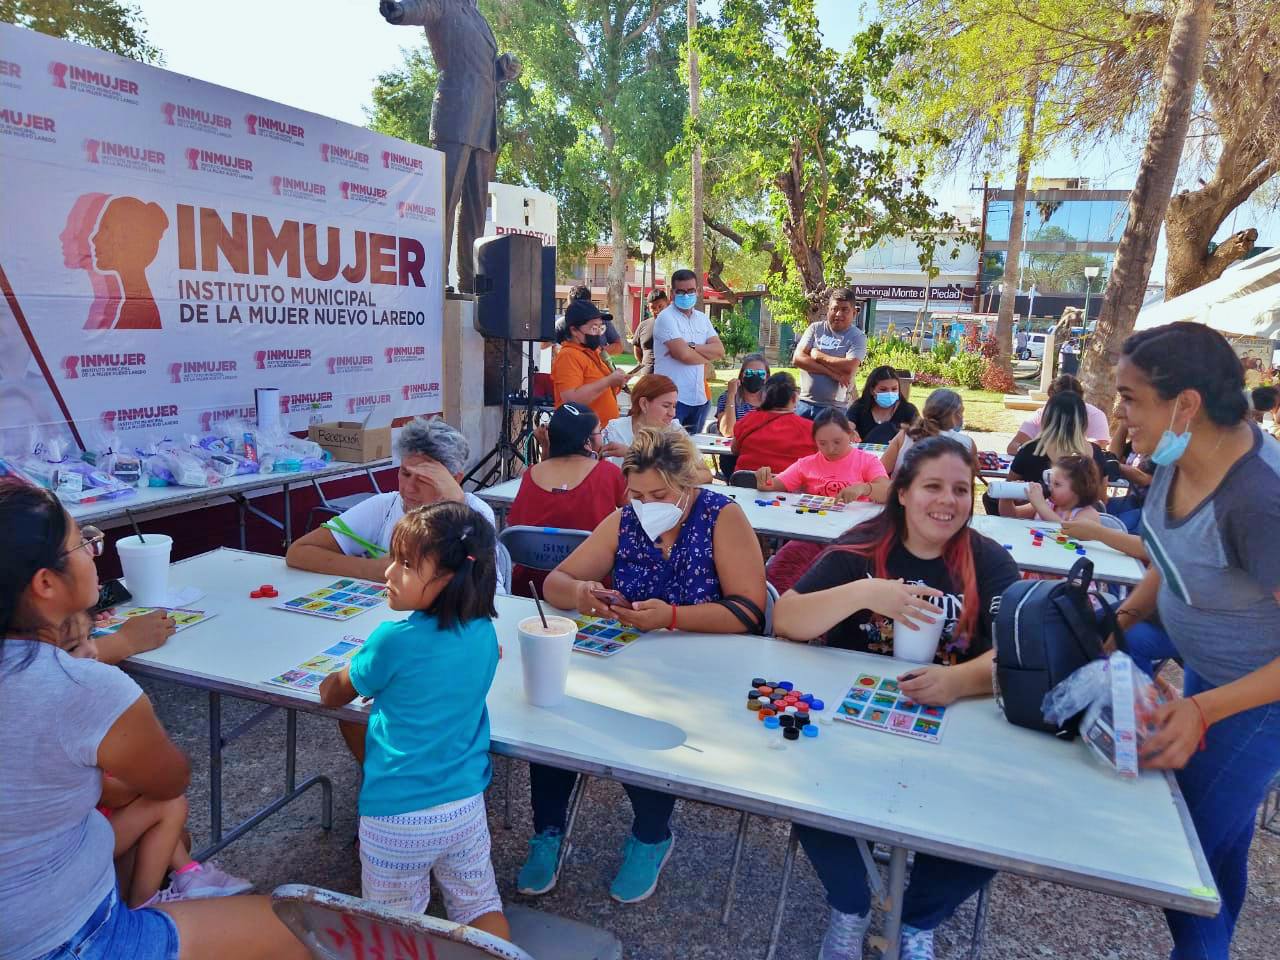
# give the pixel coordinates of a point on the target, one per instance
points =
(127, 156)
(298, 189)
(220, 163)
(196, 118)
(344, 156)
(405, 354)
(25, 125)
(402, 162)
(362, 192)
(82, 366)
(260, 125)
(97, 83)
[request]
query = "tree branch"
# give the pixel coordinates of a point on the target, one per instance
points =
(649, 21)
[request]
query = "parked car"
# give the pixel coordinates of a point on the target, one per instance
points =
(1034, 350)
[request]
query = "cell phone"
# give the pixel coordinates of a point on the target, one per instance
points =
(111, 594)
(612, 598)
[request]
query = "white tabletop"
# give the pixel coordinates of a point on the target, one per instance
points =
(772, 521)
(989, 793)
(151, 499)
(1050, 557)
(712, 443)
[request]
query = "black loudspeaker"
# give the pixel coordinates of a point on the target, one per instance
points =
(508, 285)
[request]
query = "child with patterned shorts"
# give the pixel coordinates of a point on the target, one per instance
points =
(426, 766)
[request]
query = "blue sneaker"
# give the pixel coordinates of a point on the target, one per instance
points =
(541, 868)
(916, 944)
(641, 864)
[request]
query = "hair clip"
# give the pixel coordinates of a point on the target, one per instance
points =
(471, 558)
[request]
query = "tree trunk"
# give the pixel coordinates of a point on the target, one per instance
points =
(1148, 201)
(1013, 258)
(1189, 227)
(695, 94)
(618, 267)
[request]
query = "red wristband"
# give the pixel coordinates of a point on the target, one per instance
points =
(672, 624)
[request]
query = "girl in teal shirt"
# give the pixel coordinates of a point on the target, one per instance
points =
(426, 770)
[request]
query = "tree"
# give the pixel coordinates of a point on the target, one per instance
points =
(1149, 199)
(1235, 124)
(609, 70)
(530, 134)
(109, 25)
(807, 145)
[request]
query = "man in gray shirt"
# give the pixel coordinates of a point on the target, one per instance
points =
(828, 355)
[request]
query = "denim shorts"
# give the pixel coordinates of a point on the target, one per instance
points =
(115, 931)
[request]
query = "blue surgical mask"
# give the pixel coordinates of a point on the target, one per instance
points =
(886, 400)
(958, 428)
(686, 301)
(1172, 445)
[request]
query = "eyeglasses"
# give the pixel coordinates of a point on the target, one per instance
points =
(91, 537)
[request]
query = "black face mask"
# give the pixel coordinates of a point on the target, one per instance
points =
(593, 341)
(753, 381)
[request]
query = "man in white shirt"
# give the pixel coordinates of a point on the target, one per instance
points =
(684, 341)
(433, 457)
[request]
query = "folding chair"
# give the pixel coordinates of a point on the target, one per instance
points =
(540, 548)
(338, 505)
(1271, 808)
(333, 926)
(1112, 522)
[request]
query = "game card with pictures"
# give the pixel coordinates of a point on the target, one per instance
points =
(878, 702)
(603, 638)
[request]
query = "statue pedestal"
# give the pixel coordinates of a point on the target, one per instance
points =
(464, 361)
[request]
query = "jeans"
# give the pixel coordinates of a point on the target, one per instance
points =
(115, 931)
(549, 789)
(810, 410)
(935, 891)
(1223, 786)
(692, 418)
(1146, 642)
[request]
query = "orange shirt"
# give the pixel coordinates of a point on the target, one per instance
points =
(575, 366)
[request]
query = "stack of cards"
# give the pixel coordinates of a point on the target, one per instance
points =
(876, 702)
(602, 638)
(308, 675)
(117, 618)
(340, 600)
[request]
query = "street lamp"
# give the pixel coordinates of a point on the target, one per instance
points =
(1090, 274)
(646, 249)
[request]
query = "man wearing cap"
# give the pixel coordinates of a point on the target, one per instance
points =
(684, 341)
(579, 374)
(828, 355)
(642, 339)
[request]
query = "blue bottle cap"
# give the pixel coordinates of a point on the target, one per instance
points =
(1008, 546)
(816, 704)
(786, 685)
(809, 731)
(771, 723)
(807, 698)
(1080, 551)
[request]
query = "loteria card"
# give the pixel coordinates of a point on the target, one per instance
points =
(308, 675)
(340, 600)
(876, 702)
(812, 502)
(118, 617)
(602, 638)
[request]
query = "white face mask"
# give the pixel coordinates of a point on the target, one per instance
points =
(657, 518)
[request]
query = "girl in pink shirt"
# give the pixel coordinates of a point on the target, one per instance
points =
(838, 469)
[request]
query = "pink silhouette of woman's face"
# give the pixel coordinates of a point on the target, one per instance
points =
(75, 235)
(128, 237)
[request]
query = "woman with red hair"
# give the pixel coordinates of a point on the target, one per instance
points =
(918, 560)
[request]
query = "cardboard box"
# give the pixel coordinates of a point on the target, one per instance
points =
(352, 441)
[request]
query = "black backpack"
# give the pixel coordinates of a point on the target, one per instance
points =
(1043, 631)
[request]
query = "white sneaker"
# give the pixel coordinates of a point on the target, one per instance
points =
(208, 880)
(916, 944)
(844, 936)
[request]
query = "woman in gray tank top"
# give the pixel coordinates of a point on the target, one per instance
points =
(1210, 524)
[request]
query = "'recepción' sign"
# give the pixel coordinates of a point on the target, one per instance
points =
(170, 245)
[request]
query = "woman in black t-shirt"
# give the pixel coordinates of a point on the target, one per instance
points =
(918, 559)
(1062, 434)
(880, 411)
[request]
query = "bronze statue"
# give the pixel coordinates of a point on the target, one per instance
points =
(464, 113)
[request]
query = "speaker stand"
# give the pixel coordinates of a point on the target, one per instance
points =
(500, 460)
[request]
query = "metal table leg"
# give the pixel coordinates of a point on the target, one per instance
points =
(579, 790)
(506, 793)
(979, 923)
(788, 863)
(288, 518)
(217, 742)
(738, 844)
(889, 944)
(873, 871)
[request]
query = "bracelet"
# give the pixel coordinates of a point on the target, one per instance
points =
(1204, 723)
(672, 624)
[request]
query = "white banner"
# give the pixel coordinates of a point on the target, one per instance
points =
(167, 246)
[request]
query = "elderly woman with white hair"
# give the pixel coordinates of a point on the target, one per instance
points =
(433, 458)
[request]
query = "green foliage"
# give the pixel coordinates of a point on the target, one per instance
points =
(109, 25)
(599, 106)
(737, 332)
(941, 366)
(792, 134)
